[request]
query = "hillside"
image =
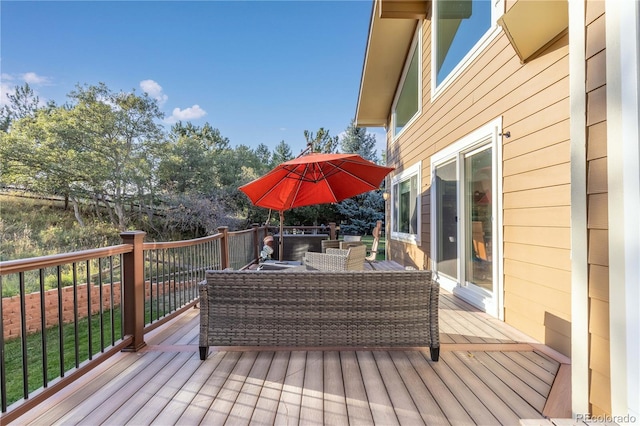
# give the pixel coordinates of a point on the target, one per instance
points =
(32, 227)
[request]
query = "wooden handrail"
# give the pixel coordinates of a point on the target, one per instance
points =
(23, 265)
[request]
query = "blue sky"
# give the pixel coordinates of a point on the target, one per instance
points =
(260, 71)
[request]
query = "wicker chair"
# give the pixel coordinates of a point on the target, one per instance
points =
(319, 309)
(329, 244)
(346, 245)
(351, 259)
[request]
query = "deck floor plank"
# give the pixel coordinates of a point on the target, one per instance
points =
(496, 405)
(514, 381)
(267, 403)
(246, 401)
(517, 401)
(539, 386)
(194, 384)
(377, 395)
(312, 403)
(288, 411)
(199, 406)
(425, 403)
(225, 400)
(469, 400)
(444, 397)
(542, 360)
(468, 333)
(356, 396)
(401, 401)
(139, 406)
(542, 385)
(114, 393)
(59, 404)
(335, 405)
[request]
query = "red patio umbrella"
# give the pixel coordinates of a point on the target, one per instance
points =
(314, 179)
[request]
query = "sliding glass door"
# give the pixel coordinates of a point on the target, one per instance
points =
(465, 220)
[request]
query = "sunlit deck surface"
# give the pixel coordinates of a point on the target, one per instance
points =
(488, 374)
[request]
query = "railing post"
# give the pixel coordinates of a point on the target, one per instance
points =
(133, 288)
(332, 230)
(257, 240)
(224, 247)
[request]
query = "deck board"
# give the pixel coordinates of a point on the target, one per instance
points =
(403, 405)
(289, 407)
(267, 405)
(355, 393)
(335, 404)
(312, 403)
(487, 374)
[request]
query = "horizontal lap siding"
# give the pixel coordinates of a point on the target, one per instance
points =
(533, 100)
(536, 202)
(597, 211)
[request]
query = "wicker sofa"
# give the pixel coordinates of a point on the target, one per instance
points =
(351, 259)
(319, 309)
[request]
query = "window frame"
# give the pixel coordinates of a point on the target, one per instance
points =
(415, 44)
(406, 175)
(497, 10)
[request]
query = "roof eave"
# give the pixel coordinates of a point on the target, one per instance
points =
(391, 30)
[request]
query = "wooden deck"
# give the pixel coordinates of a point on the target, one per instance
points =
(488, 374)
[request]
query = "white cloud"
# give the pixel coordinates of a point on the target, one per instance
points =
(154, 90)
(5, 89)
(191, 113)
(33, 78)
(9, 82)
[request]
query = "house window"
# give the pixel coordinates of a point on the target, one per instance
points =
(405, 214)
(461, 29)
(407, 103)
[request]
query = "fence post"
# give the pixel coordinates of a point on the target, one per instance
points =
(332, 230)
(256, 240)
(133, 289)
(224, 247)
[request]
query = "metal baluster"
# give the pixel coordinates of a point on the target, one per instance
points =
(43, 331)
(23, 337)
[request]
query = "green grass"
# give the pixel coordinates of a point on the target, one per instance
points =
(13, 352)
(13, 347)
(368, 239)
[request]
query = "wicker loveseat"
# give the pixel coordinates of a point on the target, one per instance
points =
(319, 309)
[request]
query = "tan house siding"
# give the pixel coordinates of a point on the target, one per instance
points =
(597, 211)
(533, 101)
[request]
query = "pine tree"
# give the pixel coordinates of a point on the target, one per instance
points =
(357, 141)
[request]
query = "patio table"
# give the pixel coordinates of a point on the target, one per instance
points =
(276, 265)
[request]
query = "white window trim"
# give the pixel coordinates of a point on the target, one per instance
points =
(488, 134)
(416, 44)
(414, 239)
(496, 12)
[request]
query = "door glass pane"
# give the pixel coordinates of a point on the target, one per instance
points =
(478, 190)
(447, 220)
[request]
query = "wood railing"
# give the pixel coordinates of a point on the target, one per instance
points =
(91, 304)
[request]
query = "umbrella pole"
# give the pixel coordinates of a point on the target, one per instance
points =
(281, 239)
